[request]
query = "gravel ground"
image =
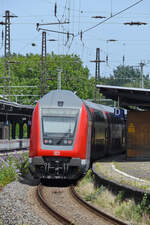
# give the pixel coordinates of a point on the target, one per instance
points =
(61, 200)
(18, 205)
(15, 208)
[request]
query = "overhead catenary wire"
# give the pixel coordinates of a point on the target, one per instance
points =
(110, 17)
(70, 49)
(63, 15)
(105, 20)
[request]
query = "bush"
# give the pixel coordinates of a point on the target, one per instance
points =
(89, 175)
(11, 167)
(7, 174)
(120, 197)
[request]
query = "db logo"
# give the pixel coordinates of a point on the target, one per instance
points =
(56, 153)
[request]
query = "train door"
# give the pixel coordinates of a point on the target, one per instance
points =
(108, 136)
(116, 135)
(100, 127)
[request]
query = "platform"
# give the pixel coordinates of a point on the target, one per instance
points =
(131, 174)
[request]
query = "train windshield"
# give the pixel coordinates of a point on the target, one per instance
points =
(59, 125)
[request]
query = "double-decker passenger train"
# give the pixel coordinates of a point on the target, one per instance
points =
(68, 134)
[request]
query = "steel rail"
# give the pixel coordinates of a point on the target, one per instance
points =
(50, 209)
(96, 211)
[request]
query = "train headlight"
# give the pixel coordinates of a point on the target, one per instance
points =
(30, 160)
(46, 141)
(69, 142)
(83, 162)
(50, 141)
(65, 142)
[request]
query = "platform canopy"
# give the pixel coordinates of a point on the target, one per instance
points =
(14, 111)
(126, 96)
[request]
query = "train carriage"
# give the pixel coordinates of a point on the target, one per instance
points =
(68, 134)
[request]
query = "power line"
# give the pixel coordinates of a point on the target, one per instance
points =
(105, 20)
(116, 14)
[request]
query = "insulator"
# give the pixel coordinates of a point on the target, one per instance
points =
(81, 35)
(123, 59)
(55, 10)
(107, 59)
(37, 26)
(2, 36)
(67, 36)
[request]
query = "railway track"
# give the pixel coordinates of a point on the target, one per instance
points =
(67, 207)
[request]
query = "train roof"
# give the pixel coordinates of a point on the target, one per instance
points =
(67, 99)
(99, 106)
(58, 98)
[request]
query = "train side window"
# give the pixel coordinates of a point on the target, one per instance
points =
(111, 118)
(98, 116)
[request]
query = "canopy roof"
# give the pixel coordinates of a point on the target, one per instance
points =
(139, 97)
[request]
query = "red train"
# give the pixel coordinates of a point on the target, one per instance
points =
(68, 134)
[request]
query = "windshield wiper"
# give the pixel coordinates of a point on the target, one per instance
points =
(66, 134)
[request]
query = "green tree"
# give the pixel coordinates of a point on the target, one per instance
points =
(124, 76)
(26, 70)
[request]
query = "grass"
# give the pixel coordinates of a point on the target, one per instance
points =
(11, 167)
(125, 209)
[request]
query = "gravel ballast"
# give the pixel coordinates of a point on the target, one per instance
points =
(15, 208)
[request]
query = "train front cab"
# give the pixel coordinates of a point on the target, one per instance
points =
(64, 147)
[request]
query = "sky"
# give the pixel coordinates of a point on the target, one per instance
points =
(132, 42)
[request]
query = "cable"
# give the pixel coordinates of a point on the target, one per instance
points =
(110, 17)
(104, 21)
(64, 10)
